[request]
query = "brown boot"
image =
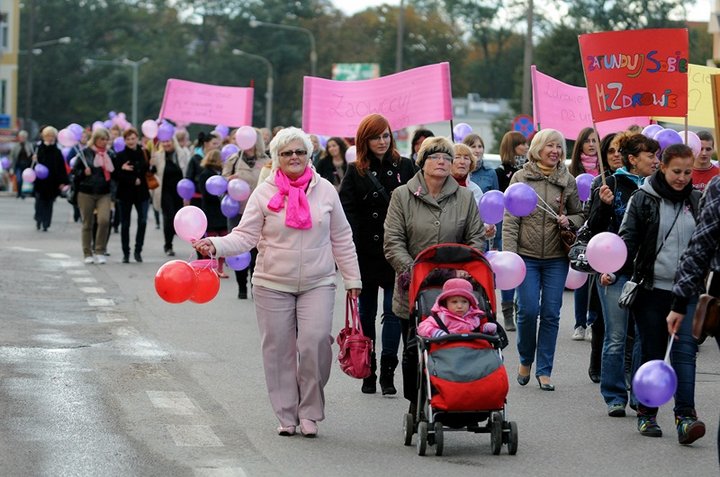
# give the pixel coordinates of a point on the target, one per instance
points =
(508, 310)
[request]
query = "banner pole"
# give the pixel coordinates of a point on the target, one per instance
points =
(686, 129)
(600, 158)
(452, 131)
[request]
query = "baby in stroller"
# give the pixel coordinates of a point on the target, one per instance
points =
(456, 311)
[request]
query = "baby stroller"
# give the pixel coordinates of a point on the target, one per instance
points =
(462, 383)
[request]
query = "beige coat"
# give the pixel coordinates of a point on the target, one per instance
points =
(157, 159)
(537, 235)
(416, 220)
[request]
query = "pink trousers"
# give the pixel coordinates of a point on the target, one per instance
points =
(296, 346)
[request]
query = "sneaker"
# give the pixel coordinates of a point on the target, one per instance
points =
(101, 260)
(579, 334)
(588, 333)
(648, 426)
(308, 428)
(616, 410)
(89, 260)
(689, 429)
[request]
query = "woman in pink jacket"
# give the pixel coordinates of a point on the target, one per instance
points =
(299, 227)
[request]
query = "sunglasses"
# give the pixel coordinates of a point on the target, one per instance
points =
(297, 152)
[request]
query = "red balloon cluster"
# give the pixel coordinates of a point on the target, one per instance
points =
(178, 281)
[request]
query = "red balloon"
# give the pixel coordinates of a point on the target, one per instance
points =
(207, 285)
(175, 281)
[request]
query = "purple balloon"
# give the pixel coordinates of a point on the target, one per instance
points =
(492, 207)
(520, 199)
(229, 207)
(5, 163)
(654, 383)
(216, 185)
(185, 189)
(668, 137)
(239, 262)
(460, 131)
(584, 183)
(76, 129)
(97, 124)
(227, 151)
(651, 130)
(107, 124)
(165, 131)
(119, 144)
(41, 171)
(223, 131)
(238, 189)
(65, 152)
(112, 114)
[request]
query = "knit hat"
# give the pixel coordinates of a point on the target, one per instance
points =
(458, 287)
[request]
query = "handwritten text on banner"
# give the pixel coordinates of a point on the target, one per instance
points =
(636, 72)
(416, 96)
(189, 102)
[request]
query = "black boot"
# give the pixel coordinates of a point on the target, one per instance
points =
(369, 385)
(387, 372)
(508, 310)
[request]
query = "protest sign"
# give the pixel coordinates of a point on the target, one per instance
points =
(700, 99)
(190, 102)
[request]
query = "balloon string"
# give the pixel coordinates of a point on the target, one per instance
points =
(548, 209)
(669, 348)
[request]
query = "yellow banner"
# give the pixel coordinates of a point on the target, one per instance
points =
(700, 100)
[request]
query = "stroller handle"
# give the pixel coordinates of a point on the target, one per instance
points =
(493, 339)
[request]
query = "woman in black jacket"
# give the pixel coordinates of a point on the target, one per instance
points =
(206, 142)
(332, 165)
(93, 170)
(216, 222)
(132, 191)
(47, 190)
(365, 196)
(659, 221)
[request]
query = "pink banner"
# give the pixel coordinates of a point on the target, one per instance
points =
(557, 105)
(417, 96)
(189, 102)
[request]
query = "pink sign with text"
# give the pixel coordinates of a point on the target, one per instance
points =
(190, 102)
(417, 96)
(558, 105)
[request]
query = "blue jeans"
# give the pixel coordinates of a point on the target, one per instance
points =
(540, 294)
(612, 369)
(583, 317)
(650, 309)
(367, 306)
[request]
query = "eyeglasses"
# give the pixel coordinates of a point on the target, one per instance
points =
(438, 156)
(384, 137)
(297, 152)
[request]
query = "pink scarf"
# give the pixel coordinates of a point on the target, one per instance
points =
(297, 214)
(590, 164)
(103, 160)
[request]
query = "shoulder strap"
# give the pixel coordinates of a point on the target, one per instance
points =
(440, 322)
(381, 190)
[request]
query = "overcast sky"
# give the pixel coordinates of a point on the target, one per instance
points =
(698, 10)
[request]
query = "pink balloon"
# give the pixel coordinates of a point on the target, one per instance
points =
(575, 279)
(351, 154)
(509, 270)
(66, 138)
(238, 189)
(149, 128)
(96, 125)
(606, 252)
(29, 176)
(245, 137)
(693, 142)
(190, 223)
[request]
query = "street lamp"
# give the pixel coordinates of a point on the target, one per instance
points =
(35, 50)
(269, 92)
(135, 65)
(313, 52)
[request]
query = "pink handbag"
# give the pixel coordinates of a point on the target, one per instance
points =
(355, 347)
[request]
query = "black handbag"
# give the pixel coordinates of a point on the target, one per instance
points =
(578, 250)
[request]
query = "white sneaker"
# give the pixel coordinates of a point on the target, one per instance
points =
(101, 260)
(588, 333)
(579, 334)
(89, 260)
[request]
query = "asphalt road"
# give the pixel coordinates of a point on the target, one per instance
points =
(98, 376)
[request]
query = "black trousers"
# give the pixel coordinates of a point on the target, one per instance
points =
(43, 212)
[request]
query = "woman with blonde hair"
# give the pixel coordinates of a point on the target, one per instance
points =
(47, 189)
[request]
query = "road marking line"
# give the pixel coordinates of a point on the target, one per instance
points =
(219, 472)
(109, 317)
(24, 249)
(84, 280)
(58, 255)
(92, 290)
(174, 402)
(78, 272)
(193, 435)
(100, 302)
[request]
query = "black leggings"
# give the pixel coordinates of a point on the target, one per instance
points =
(409, 360)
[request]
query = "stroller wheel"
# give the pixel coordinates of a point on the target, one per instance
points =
(439, 439)
(513, 438)
(496, 433)
(422, 437)
(408, 428)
